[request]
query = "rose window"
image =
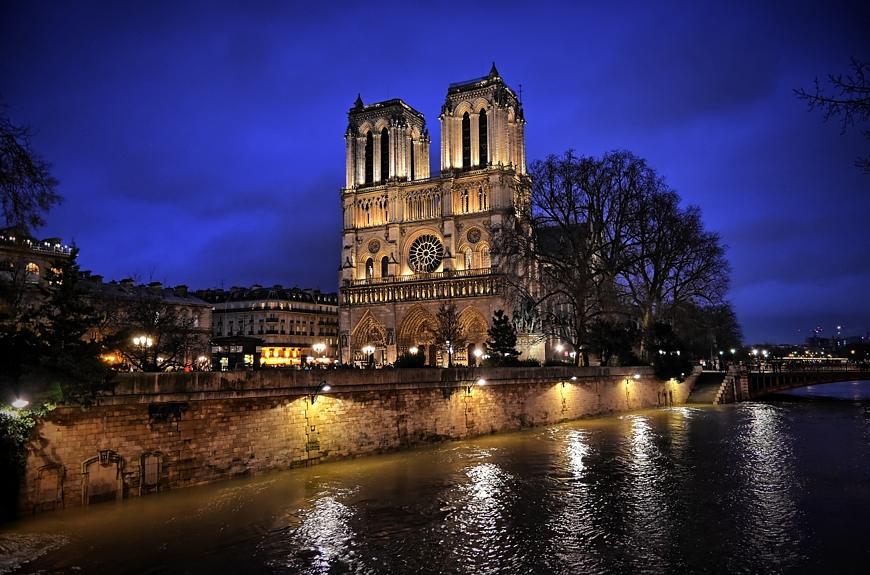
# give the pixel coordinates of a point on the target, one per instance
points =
(473, 235)
(374, 246)
(426, 253)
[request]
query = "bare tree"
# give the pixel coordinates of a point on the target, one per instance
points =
(851, 100)
(595, 240)
(563, 251)
(672, 261)
(27, 188)
(152, 334)
(450, 333)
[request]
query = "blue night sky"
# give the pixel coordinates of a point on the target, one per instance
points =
(202, 143)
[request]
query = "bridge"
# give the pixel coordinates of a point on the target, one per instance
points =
(749, 382)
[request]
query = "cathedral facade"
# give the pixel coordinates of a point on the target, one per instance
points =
(410, 241)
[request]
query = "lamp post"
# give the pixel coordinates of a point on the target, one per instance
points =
(477, 353)
(319, 348)
(559, 352)
(322, 387)
(370, 355)
(143, 343)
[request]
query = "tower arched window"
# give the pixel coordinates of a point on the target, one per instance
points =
(465, 202)
(385, 267)
(469, 262)
(369, 159)
(483, 139)
(466, 141)
(370, 268)
(485, 261)
(385, 155)
(413, 159)
(481, 199)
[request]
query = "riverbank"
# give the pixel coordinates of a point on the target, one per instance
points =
(161, 432)
(754, 487)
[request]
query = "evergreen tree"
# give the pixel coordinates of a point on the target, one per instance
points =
(73, 361)
(502, 341)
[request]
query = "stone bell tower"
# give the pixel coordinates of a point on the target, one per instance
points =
(412, 242)
(385, 142)
(482, 124)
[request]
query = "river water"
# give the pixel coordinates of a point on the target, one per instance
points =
(775, 486)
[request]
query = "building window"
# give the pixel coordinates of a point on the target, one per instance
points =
(466, 141)
(369, 159)
(484, 257)
(385, 267)
(482, 137)
(465, 202)
(481, 199)
(32, 273)
(468, 259)
(370, 268)
(385, 155)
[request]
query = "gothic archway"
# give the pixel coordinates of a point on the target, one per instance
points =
(418, 329)
(474, 327)
(368, 331)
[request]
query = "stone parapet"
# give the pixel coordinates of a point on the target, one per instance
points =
(169, 431)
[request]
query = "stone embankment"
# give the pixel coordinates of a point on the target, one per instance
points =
(174, 430)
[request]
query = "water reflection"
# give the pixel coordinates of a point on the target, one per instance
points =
(754, 488)
(319, 538)
(768, 515)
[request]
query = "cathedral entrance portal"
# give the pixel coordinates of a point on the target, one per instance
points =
(418, 331)
(368, 342)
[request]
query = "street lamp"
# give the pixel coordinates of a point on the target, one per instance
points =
(319, 348)
(370, 354)
(469, 387)
(143, 343)
(477, 354)
(20, 403)
(322, 387)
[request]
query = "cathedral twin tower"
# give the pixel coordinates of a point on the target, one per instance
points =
(412, 242)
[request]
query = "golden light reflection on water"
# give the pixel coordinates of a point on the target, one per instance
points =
(657, 491)
(768, 509)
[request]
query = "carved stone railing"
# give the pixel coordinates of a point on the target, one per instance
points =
(421, 287)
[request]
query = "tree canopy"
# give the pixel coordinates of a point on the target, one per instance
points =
(850, 101)
(48, 350)
(501, 343)
(27, 188)
(599, 243)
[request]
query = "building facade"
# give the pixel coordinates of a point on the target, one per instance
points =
(290, 324)
(24, 267)
(412, 242)
(173, 320)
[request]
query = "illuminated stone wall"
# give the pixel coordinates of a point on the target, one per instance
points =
(169, 431)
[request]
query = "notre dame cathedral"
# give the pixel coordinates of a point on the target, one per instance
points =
(411, 242)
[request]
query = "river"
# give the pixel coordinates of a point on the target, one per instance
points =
(775, 486)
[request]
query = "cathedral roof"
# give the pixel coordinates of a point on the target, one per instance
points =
(490, 78)
(359, 108)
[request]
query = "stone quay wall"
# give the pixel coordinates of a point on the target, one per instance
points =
(168, 431)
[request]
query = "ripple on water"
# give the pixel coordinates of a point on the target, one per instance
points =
(16, 549)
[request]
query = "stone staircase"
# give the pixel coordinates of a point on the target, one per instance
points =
(708, 388)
